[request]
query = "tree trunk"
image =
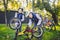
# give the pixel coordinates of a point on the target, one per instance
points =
(5, 5)
(32, 5)
(55, 18)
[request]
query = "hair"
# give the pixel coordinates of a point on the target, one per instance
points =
(31, 12)
(21, 9)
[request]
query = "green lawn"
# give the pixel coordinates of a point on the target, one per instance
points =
(8, 34)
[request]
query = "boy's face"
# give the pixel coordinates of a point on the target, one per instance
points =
(20, 11)
(30, 15)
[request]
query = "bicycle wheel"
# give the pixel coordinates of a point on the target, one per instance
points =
(38, 32)
(53, 26)
(15, 23)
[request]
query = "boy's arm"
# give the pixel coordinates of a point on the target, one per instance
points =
(22, 18)
(15, 14)
(39, 21)
(30, 22)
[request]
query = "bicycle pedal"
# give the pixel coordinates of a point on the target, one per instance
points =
(20, 33)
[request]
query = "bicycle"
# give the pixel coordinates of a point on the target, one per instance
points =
(36, 32)
(49, 25)
(15, 24)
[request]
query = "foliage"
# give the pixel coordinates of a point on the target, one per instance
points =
(1, 6)
(51, 6)
(12, 5)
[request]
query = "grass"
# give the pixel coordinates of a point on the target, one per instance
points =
(8, 34)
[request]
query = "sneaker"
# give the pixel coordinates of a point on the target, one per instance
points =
(21, 33)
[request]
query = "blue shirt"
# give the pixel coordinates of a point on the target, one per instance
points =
(20, 16)
(34, 18)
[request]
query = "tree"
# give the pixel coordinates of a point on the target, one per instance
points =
(5, 6)
(50, 6)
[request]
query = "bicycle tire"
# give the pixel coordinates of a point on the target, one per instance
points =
(11, 25)
(40, 34)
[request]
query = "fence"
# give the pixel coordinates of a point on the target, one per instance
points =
(10, 15)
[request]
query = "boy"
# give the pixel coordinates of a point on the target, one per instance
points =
(20, 15)
(33, 18)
